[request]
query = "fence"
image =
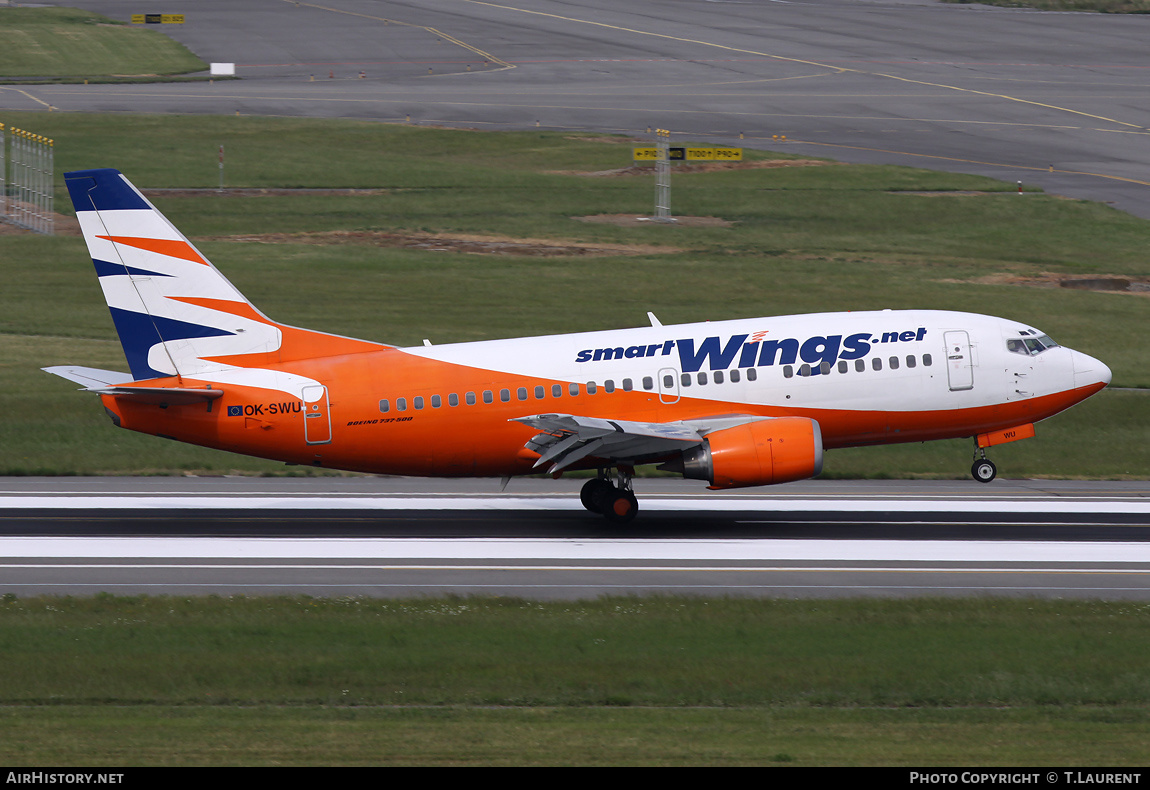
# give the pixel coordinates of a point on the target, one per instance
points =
(663, 177)
(26, 180)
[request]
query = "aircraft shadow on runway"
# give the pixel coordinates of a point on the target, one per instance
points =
(546, 524)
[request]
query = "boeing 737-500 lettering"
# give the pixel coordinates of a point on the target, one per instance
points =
(747, 402)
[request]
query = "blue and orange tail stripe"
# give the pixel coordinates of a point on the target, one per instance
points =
(174, 312)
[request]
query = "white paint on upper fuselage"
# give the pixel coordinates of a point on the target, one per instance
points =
(655, 351)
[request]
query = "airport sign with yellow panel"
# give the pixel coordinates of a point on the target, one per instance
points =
(689, 154)
(157, 19)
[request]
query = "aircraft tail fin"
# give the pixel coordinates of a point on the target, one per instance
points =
(173, 310)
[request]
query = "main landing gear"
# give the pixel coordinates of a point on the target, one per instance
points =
(983, 470)
(615, 501)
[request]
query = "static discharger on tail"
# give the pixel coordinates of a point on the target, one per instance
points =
(747, 402)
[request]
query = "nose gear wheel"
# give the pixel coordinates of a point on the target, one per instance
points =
(983, 470)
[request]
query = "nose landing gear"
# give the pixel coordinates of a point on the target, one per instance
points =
(615, 501)
(983, 470)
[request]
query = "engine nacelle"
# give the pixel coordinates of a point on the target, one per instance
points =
(760, 453)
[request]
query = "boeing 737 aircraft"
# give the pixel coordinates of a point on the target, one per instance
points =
(747, 402)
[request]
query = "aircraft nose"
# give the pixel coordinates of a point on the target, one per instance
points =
(1088, 370)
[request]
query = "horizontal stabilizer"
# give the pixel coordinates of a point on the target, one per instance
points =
(89, 377)
(171, 395)
(111, 382)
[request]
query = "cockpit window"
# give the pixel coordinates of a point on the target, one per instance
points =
(1031, 344)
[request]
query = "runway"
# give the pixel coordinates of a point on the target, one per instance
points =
(400, 538)
(1049, 99)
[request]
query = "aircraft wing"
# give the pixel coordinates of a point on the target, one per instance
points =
(569, 438)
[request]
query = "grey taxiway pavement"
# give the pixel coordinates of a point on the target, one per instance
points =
(401, 537)
(1050, 99)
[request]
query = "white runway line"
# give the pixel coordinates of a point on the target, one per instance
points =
(569, 503)
(578, 549)
(738, 569)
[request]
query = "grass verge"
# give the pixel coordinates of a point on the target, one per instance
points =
(68, 42)
(547, 736)
(142, 680)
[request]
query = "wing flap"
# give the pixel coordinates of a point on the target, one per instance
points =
(569, 438)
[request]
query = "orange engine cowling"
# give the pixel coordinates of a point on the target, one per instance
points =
(760, 453)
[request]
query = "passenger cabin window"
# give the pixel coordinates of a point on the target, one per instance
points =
(418, 402)
(893, 363)
(384, 406)
(521, 393)
(718, 377)
(540, 392)
(876, 363)
(573, 388)
(556, 390)
(608, 386)
(453, 399)
(591, 389)
(926, 360)
(487, 396)
(401, 404)
(735, 376)
(628, 385)
(910, 362)
(471, 399)
(649, 383)
(752, 374)
(505, 395)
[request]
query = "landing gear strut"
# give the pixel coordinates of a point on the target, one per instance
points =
(983, 470)
(615, 501)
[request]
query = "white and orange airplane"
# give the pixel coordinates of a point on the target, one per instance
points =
(747, 402)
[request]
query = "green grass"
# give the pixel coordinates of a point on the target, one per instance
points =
(663, 651)
(68, 42)
(675, 681)
(804, 239)
(541, 736)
